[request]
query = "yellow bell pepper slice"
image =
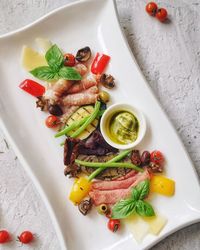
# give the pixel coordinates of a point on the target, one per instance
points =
(162, 185)
(80, 190)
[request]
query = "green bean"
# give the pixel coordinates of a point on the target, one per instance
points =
(88, 121)
(116, 158)
(109, 165)
(72, 126)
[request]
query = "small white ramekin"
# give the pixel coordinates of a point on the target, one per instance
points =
(123, 107)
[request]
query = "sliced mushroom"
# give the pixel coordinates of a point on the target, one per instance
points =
(107, 81)
(85, 206)
(84, 54)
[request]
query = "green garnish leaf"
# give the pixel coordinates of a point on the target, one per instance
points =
(123, 209)
(143, 208)
(55, 70)
(54, 58)
(45, 73)
(141, 191)
(135, 203)
(69, 73)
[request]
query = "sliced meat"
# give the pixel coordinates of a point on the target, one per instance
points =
(56, 90)
(82, 85)
(113, 196)
(117, 184)
(81, 69)
(108, 197)
(128, 175)
(89, 96)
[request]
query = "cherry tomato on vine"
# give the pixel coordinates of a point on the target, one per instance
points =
(157, 157)
(161, 14)
(113, 225)
(69, 60)
(4, 236)
(52, 121)
(26, 237)
(151, 8)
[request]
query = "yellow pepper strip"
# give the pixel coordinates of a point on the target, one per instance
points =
(80, 190)
(162, 185)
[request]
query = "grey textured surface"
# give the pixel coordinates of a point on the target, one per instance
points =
(168, 55)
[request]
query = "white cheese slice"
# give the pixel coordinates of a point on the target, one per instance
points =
(43, 44)
(156, 223)
(32, 59)
(138, 227)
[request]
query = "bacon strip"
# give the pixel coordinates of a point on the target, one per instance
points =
(113, 196)
(88, 96)
(82, 85)
(81, 69)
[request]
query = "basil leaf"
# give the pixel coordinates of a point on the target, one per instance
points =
(135, 194)
(54, 57)
(143, 208)
(142, 189)
(69, 73)
(44, 73)
(123, 209)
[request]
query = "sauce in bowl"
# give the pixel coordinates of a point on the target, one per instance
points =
(123, 127)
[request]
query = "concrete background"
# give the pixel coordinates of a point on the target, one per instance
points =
(168, 55)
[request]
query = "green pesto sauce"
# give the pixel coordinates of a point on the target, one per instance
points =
(123, 127)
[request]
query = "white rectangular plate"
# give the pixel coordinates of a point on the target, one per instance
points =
(93, 23)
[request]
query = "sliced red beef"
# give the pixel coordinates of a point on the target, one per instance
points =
(113, 196)
(117, 184)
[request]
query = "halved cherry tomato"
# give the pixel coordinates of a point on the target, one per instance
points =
(151, 8)
(4, 236)
(113, 225)
(52, 121)
(161, 14)
(99, 63)
(32, 87)
(26, 237)
(157, 157)
(69, 60)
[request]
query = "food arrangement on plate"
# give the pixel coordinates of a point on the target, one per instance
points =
(99, 137)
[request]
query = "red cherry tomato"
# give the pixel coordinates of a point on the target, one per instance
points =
(4, 236)
(99, 63)
(69, 60)
(113, 225)
(157, 157)
(52, 121)
(26, 237)
(32, 87)
(161, 14)
(151, 8)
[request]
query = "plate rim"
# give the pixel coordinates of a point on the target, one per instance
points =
(24, 163)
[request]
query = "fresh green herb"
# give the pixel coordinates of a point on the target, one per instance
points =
(88, 121)
(124, 208)
(55, 70)
(54, 58)
(115, 159)
(69, 73)
(143, 208)
(45, 73)
(109, 165)
(135, 203)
